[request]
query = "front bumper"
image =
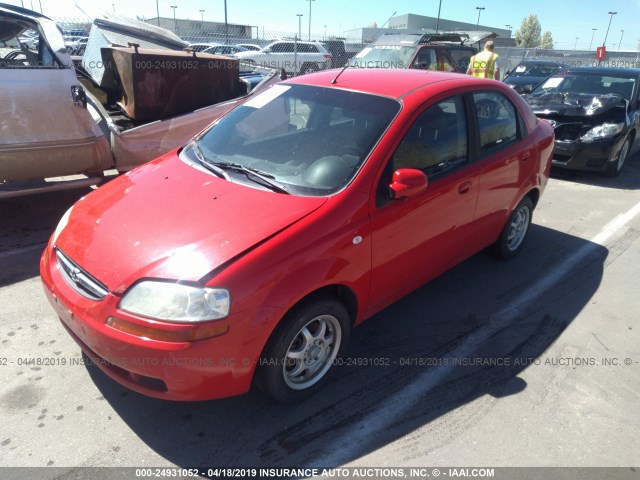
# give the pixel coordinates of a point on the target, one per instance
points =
(212, 368)
(593, 156)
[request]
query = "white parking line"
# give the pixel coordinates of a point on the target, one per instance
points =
(391, 412)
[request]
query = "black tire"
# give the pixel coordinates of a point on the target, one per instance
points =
(515, 230)
(308, 68)
(287, 379)
(613, 169)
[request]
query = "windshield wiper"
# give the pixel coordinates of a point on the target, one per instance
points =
(251, 173)
(202, 161)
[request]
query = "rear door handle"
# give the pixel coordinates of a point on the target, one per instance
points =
(525, 156)
(464, 187)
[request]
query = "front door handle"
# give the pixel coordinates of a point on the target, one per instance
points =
(464, 187)
(525, 156)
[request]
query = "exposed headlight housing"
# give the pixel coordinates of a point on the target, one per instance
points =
(606, 130)
(176, 302)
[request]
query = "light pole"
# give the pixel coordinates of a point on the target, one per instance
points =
(621, 34)
(593, 32)
(604, 44)
(479, 12)
(299, 15)
(509, 27)
(113, 5)
(310, 17)
(576, 44)
(325, 34)
(438, 21)
(175, 22)
(201, 16)
(226, 25)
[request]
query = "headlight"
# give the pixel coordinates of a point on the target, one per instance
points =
(606, 130)
(61, 224)
(176, 302)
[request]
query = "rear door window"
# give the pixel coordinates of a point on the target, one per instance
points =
(497, 121)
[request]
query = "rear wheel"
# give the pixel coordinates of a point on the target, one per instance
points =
(614, 168)
(302, 351)
(515, 230)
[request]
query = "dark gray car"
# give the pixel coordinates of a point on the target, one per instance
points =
(529, 73)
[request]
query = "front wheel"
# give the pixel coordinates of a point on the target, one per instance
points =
(515, 230)
(302, 351)
(614, 168)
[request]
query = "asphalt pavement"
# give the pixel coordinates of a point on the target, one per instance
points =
(533, 361)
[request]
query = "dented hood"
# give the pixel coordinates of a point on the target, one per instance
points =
(573, 104)
(170, 220)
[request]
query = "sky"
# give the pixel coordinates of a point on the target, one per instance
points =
(570, 21)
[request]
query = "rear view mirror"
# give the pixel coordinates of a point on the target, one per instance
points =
(407, 183)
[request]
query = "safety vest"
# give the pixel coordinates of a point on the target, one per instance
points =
(483, 64)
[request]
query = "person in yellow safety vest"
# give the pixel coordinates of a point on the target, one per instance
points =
(484, 64)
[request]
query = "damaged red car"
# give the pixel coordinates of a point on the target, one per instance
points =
(248, 255)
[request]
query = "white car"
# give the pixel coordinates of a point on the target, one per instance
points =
(249, 46)
(296, 57)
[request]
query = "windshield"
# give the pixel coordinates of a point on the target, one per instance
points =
(303, 139)
(524, 70)
(383, 56)
(588, 83)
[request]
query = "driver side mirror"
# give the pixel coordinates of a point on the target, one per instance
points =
(407, 183)
(267, 50)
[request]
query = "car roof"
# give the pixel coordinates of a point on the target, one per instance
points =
(612, 71)
(444, 38)
(394, 83)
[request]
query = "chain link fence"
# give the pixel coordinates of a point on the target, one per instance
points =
(211, 34)
(341, 48)
(511, 56)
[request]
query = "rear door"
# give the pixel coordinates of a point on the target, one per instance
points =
(505, 159)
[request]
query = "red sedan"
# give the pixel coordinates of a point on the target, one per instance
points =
(249, 254)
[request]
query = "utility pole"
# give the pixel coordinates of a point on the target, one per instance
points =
(604, 44)
(592, 34)
(479, 12)
(310, 17)
(299, 15)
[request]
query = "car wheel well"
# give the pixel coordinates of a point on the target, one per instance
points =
(342, 293)
(534, 196)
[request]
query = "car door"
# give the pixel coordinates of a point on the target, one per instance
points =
(46, 128)
(502, 161)
(418, 238)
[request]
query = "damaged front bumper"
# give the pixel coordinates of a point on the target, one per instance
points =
(592, 156)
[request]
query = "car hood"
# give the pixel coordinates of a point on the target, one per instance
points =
(170, 220)
(573, 104)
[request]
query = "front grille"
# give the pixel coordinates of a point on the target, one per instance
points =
(81, 281)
